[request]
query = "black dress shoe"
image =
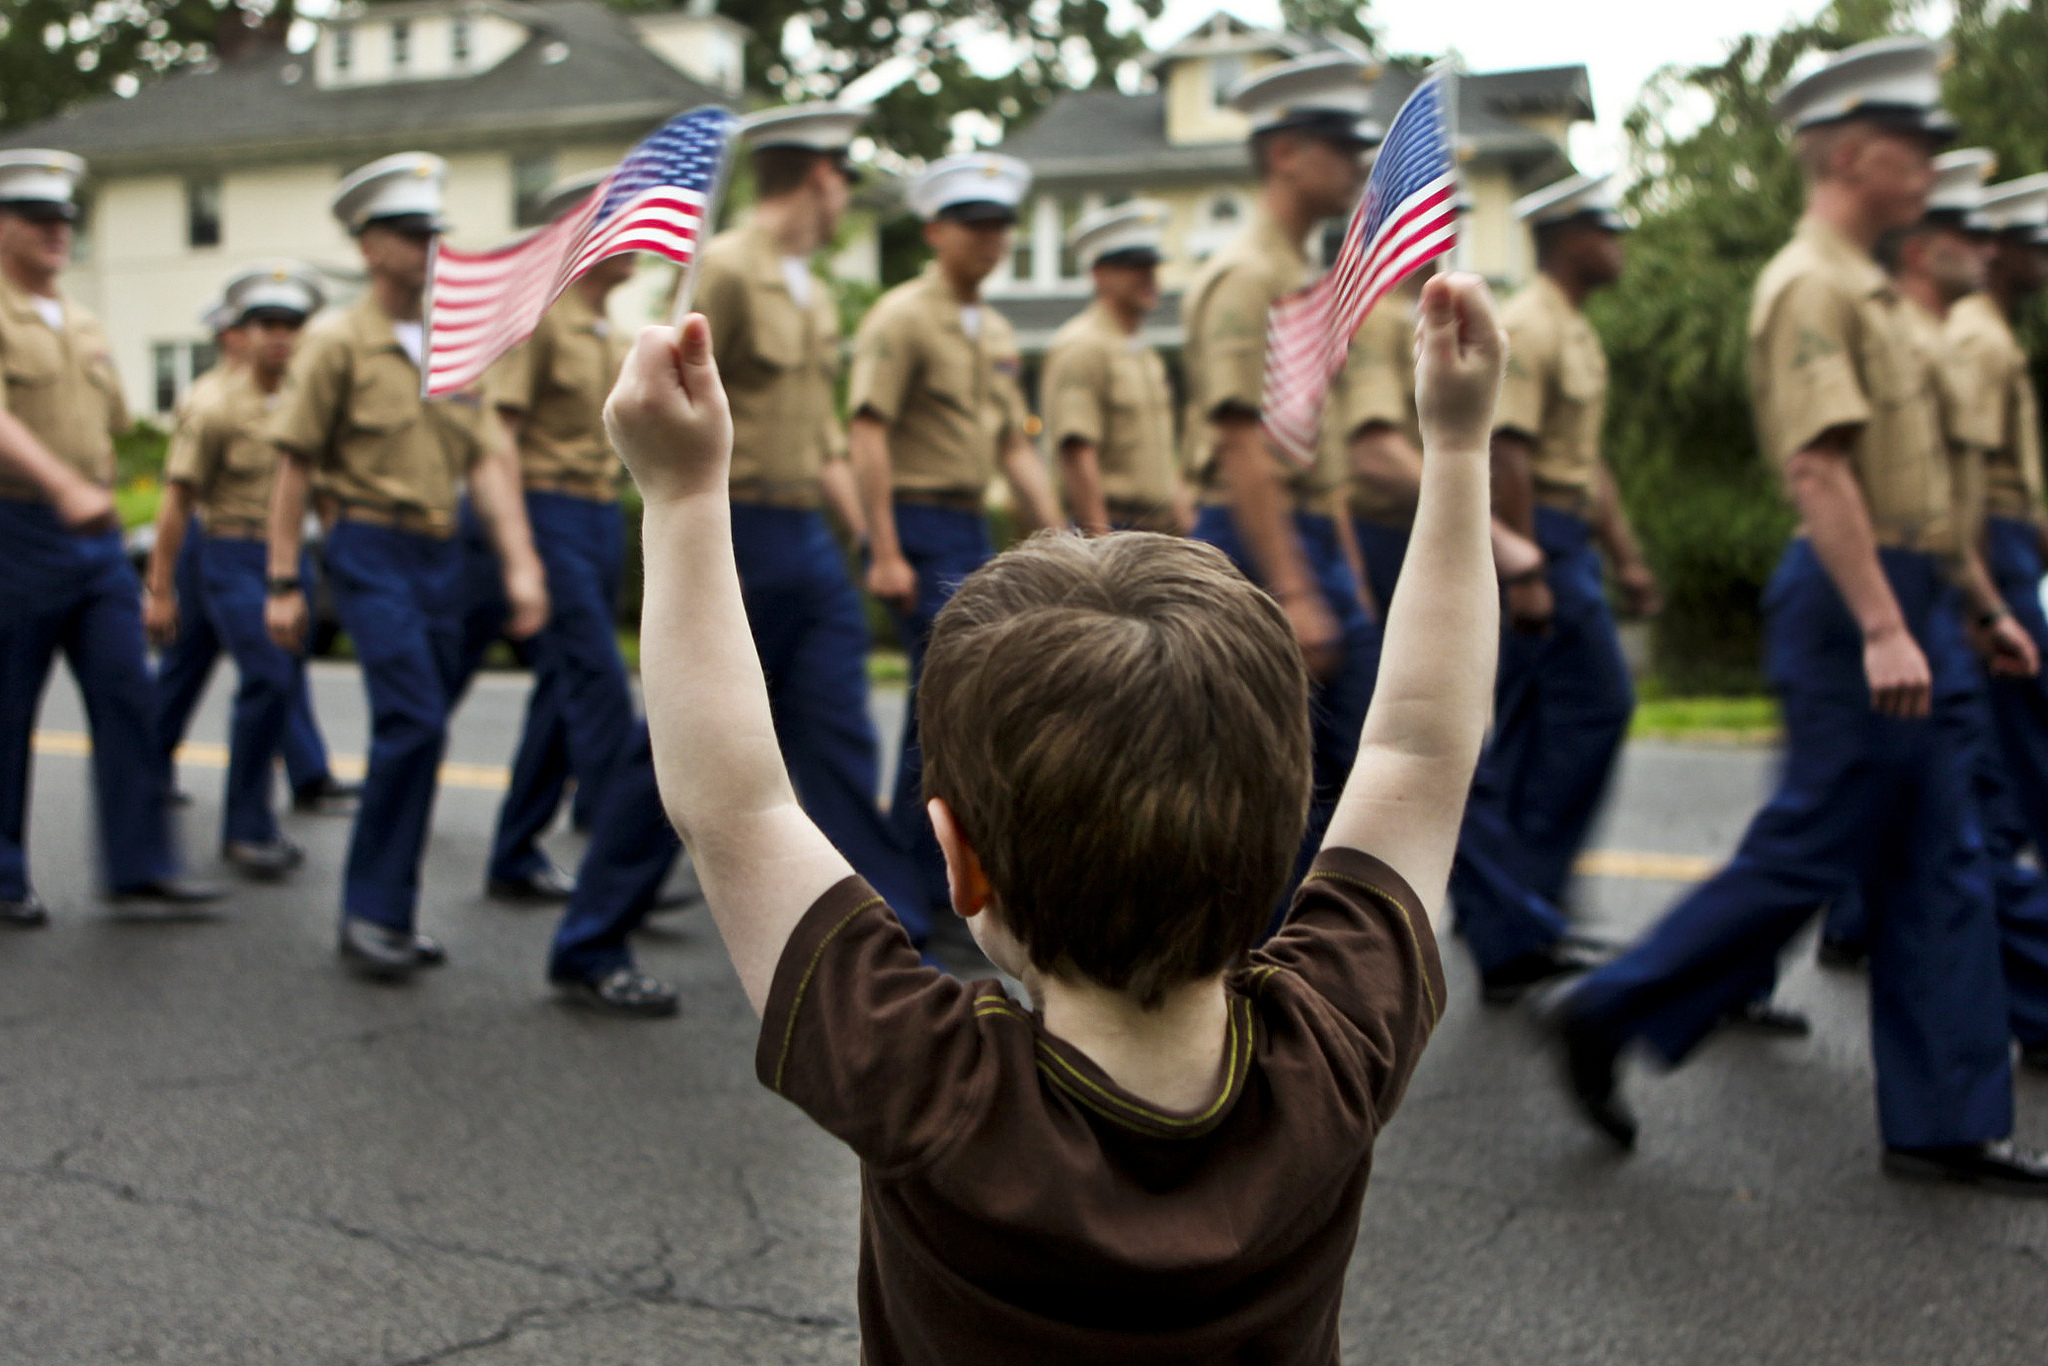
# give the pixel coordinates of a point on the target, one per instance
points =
(546, 884)
(264, 862)
(325, 793)
(1508, 983)
(1844, 955)
(378, 952)
(1590, 1062)
(25, 913)
(170, 891)
(2034, 1056)
(1764, 1017)
(427, 951)
(1995, 1166)
(622, 991)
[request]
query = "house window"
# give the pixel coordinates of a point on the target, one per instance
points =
(1020, 242)
(1225, 70)
(458, 40)
(202, 211)
(1070, 213)
(1223, 210)
(163, 360)
(205, 355)
(532, 173)
(401, 44)
(344, 50)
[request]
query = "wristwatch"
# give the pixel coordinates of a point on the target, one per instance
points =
(280, 584)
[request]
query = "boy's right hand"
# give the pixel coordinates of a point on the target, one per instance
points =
(1459, 352)
(667, 416)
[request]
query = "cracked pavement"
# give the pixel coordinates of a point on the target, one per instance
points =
(216, 1148)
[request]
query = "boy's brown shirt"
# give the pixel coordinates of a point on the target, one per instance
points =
(1017, 1205)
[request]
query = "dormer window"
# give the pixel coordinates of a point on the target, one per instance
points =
(344, 50)
(401, 44)
(458, 40)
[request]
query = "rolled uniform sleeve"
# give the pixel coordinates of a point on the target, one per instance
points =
(1076, 389)
(1378, 378)
(1807, 349)
(310, 407)
(1531, 371)
(1233, 377)
(885, 357)
(194, 449)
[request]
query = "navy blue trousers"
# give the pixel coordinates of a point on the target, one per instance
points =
(1337, 704)
(2019, 706)
(943, 546)
(183, 667)
(79, 594)
(270, 684)
(1500, 918)
(1863, 798)
(399, 595)
(1561, 710)
(632, 847)
(579, 715)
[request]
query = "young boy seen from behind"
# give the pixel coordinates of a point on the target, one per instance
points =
(1166, 1161)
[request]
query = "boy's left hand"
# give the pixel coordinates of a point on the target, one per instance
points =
(667, 416)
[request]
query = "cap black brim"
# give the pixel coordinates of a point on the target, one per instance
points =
(41, 210)
(1133, 256)
(1345, 128)
(978, 211)
(423, 224)
(272, 313)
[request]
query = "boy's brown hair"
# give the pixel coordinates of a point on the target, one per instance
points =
(1120, 727)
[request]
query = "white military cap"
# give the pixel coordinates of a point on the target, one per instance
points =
(566, 193)
(1130, 232)
(818, 127)
(1894, 81)
(975, 187)
(38, 183)
(405, 185)
(1958, 191)
(274, 287)
(217, 318)
(2016, 206)
(1328, 94)
(1576, 196)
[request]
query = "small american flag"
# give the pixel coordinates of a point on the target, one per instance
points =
(657, 200)
(1409, 215)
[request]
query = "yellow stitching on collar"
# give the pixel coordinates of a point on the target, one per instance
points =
(810, 970)
(1231, 1080)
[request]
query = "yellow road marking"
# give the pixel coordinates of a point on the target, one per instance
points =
(1634, 864)
(481, 777)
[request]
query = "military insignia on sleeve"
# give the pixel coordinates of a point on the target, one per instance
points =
(1810, 346)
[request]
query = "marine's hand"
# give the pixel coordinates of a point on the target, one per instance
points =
(1315, 629)
(1901, 684)
(667, 416)
(2006, 648)
(1459, 352)
(1531, 605)
(894, 582)
(84, 506)
(160, 617)
(526, 589)
(284, 617)
(1640, 595)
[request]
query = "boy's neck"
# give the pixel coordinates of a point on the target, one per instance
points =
(1171, 1056)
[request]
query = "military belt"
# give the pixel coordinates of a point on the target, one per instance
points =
(791, 495)
(953, 500)
(597, 488)
(397, 516)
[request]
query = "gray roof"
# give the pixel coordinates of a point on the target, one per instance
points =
(256, 109)
(1091, 135)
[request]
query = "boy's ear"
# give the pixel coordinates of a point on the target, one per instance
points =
(964, 878)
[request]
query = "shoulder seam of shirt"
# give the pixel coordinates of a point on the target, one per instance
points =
(804, 983)
(1236, 1044)
(1414, 939)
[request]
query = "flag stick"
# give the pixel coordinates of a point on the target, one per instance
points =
(686, 288)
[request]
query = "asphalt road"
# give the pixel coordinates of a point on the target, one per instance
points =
(214, 1147)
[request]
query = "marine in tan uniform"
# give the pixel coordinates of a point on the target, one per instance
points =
(217, 485)
(1860, 642)
(937, 410)
(1108, 405)
(385, 468)
(65, 581)
(1282, 523)
(1556, 740)
(548, 394)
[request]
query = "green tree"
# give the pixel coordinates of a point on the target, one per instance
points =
(1337, 18)
(1716, 195)
(55, 53)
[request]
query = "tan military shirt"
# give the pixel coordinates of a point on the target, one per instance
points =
(221, 447)
(1377, 385)
(557, 381)
(1224, 314)
(1555, 391)
(780, 362)
(1108, 389)
(1829, 346)
(352, 407)
(61, 386)
(951, 401)
(2000, 393)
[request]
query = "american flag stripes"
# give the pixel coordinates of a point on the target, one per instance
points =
(1408, 216)
(659, 199)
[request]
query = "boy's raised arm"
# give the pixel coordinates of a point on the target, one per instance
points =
(1406, 796)
(722, 780)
